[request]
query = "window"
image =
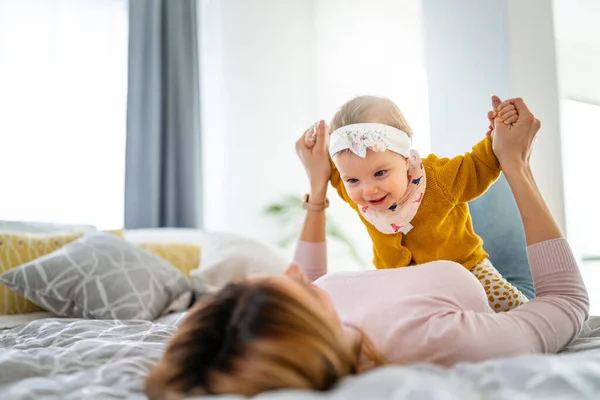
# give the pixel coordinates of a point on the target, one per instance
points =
(63, 80)
(580, 147)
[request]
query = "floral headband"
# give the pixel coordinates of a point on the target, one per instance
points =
(377, 137)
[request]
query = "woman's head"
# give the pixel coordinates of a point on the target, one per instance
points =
(380, 179)
(255, 336)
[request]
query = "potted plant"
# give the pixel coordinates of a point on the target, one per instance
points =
(289, 214)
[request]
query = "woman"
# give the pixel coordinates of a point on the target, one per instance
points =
(285, 332)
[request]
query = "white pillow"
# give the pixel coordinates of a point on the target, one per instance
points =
(224, 256)
(228, 257)
(165, 235)
(42, 227)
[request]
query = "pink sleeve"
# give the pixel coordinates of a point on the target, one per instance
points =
(545, 324)
(312, 257)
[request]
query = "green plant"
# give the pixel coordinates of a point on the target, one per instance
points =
(290, 215)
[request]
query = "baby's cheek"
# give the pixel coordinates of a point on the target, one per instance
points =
(355, 195)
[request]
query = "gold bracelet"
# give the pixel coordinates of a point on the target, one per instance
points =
(314, 207)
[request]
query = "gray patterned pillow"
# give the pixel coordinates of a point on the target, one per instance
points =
(99, 276)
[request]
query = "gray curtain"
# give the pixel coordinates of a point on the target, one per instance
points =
(163, 176)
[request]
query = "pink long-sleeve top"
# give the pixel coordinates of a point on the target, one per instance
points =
(438, 312)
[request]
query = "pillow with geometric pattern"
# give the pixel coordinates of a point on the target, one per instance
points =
(99, 276)
(19, 248)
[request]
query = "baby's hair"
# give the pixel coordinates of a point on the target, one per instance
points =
(375, 109)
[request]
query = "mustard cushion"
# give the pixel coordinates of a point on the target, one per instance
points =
(183, 256)
(17, 249)
(117, 232)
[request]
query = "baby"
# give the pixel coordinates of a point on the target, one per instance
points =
(414, 209)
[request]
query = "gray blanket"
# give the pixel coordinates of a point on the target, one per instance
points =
(93, 359)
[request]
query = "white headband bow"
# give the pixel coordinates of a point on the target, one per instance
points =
(377, 137)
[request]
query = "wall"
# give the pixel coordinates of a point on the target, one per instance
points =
(258, 74)
(467, 55)
(476, 48)
(534, 77)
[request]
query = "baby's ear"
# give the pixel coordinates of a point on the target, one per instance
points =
(295, 272)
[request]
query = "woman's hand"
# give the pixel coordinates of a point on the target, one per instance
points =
(506, 112)
(313, 150)
(512, 143)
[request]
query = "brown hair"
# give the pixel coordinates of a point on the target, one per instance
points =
(253, 337)
(363, 109)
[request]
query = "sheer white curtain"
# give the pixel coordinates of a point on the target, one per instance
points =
(63, 87)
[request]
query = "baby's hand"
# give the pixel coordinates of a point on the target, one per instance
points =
(506, 112)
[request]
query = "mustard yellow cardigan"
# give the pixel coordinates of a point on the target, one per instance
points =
(442, 228)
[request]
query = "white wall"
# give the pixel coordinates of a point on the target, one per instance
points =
(533, 74)
(373, 47)
(466, 46)
(271, 69)
(258, 73)
(476, 48)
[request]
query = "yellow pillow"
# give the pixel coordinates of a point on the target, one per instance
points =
(117, 232)
(17, 249)
(183, 256)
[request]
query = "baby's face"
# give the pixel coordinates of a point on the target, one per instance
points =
(378, 180)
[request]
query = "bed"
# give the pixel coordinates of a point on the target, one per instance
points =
(60, 358)
(113, 296)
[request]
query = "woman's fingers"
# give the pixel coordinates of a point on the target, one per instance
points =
(313, 136)
(303, 142)
(310, 136)
(502, 105)
(320, 137)
(508, 115)
(506, 109)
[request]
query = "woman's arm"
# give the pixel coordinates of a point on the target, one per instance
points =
(537, 219)
(556, 316)
(311, 249)
(544, 325)
(313, 229)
